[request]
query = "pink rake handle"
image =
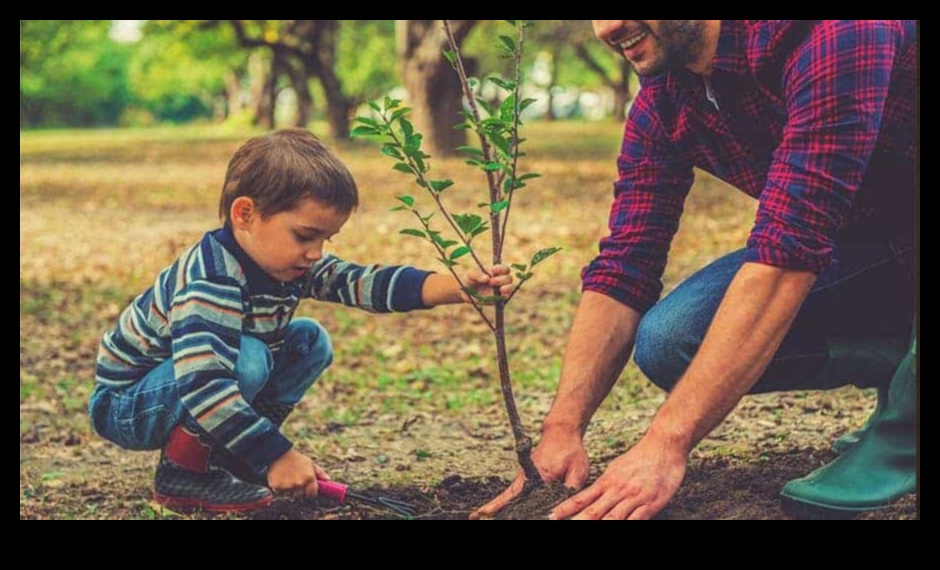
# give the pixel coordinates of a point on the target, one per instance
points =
(332, 490)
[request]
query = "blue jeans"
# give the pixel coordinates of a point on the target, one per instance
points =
(866, 293)
(141, 416)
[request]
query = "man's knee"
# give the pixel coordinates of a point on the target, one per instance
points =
(661, 352)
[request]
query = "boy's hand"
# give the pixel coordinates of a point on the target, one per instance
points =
(500, 279)
(295, 474)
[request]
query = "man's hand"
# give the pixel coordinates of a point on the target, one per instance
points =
(295, 474)
(635, 486)
(560, 456)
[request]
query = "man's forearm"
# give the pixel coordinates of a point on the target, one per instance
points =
(599, 346)
(751, 323)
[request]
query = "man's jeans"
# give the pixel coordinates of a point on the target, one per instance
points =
(866, 293)
(141, 416)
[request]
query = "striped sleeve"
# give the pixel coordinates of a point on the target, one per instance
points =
(373, 288)
(206, 322)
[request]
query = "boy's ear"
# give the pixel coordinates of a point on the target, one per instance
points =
(243, 211)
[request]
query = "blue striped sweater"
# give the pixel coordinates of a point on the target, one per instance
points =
(199, 307)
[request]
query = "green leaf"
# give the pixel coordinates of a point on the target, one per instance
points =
(428, 218)
(502, 143)
(370, 122)
(407, 128)
(484, 104)
(524, 104)
(416, 233)
(451, 56)
(420, 162)
(462, 126)
(530, 176)
(508, 43)
(467, 222)
(407, 200)
(519, 266)
(511, 22)
(398, 209)
(402, 167)
(497, 207)
(473, 82)
(507, 108)
(482, 228)
(448, 243)
(375, 106)
(389, 149)
(363, 131)
(447, 262)
(391, 103)
(469, 150)
(440, 185)
(507, 85)
(413, 145)
(459, 252)
(493, 166)
(544, 254)
(399, 114)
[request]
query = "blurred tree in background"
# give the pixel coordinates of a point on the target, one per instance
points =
(289, 72)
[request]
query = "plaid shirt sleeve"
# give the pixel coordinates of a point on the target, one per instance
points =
(835, 85)
(648, 200)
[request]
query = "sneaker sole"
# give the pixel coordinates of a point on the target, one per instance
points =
(195, 503)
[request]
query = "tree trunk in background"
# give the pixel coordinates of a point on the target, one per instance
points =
(622, 94)
(233, 94)
(338, 105)
(433, 87)
(262, 90)
(620, 84)
(300, 82)
(550, 114)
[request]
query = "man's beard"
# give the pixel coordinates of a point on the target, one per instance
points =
(679, 43)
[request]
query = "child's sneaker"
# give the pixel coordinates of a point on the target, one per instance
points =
(186, 478)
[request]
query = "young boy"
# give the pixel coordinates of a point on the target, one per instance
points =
(208, 362)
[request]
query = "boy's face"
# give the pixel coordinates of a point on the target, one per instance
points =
(286, 244)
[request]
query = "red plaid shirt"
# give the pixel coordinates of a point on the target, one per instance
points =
(814, 118)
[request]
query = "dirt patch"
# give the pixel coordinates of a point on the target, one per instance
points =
(535, 505)
(714, 489)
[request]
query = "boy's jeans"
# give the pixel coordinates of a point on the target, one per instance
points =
(142, 415)
(866, 293)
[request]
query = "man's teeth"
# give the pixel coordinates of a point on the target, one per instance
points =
(633, 41)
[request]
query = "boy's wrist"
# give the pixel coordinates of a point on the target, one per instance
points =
(440, 290)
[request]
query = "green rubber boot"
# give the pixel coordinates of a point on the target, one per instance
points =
(876, 471)
(843, 443)
(864, 363)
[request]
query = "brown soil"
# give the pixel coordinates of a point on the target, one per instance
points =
(536, 504)
(714, 489)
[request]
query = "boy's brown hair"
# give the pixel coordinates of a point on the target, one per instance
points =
(279, 169)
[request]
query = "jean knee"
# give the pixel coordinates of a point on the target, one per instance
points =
(311, 342)
(254, 366)
(658, 352)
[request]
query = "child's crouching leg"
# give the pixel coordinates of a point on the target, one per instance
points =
(306, 353)
(188, 477)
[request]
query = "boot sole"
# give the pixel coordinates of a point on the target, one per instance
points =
(804, 508)
(195, 503)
